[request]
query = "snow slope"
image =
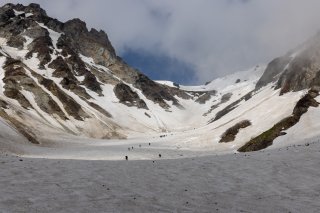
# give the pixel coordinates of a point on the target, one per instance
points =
(227, 83)
(305, 131)
(180, 143)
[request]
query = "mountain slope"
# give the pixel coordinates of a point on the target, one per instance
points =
(48, 71)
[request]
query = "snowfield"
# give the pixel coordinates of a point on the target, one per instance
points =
(278, 180)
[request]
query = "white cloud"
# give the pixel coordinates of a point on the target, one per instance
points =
(216, 37)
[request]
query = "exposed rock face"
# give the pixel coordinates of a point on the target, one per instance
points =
(226, 97)
(128, 97)
(42, 46)
(305, 102)
(11, 79)
(3, 104)
(16, 80)
(205, 96)
(274, 68)
(155, 92)
(230, 134)
(297, 70)
(20, 127)
(90, 43)
(70, 105)
(230, 107)
(150, 89)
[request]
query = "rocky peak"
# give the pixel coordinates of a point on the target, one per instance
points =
(90, 43)
(5, 14)
(33, 8)
(274, 68)
(75, 27)
(297, 70)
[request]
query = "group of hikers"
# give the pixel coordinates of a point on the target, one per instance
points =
(130, 148)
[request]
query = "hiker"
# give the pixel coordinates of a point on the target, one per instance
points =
(126, 157)
(159, 155)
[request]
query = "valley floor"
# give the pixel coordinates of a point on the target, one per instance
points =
(274, 180)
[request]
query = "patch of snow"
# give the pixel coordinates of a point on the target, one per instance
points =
(29, 14)
(3, 41)
(53, 35)
(28, 41)
(167, 83)
(2, 72)
(90, 61)
(17, 13)
(80, 78)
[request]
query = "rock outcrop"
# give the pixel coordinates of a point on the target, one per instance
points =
(128, 97)
(297, 70)
(230, 134)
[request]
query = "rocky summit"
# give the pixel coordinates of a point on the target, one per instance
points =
(62, 81)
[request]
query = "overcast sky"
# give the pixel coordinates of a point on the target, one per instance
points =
(193, 41)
